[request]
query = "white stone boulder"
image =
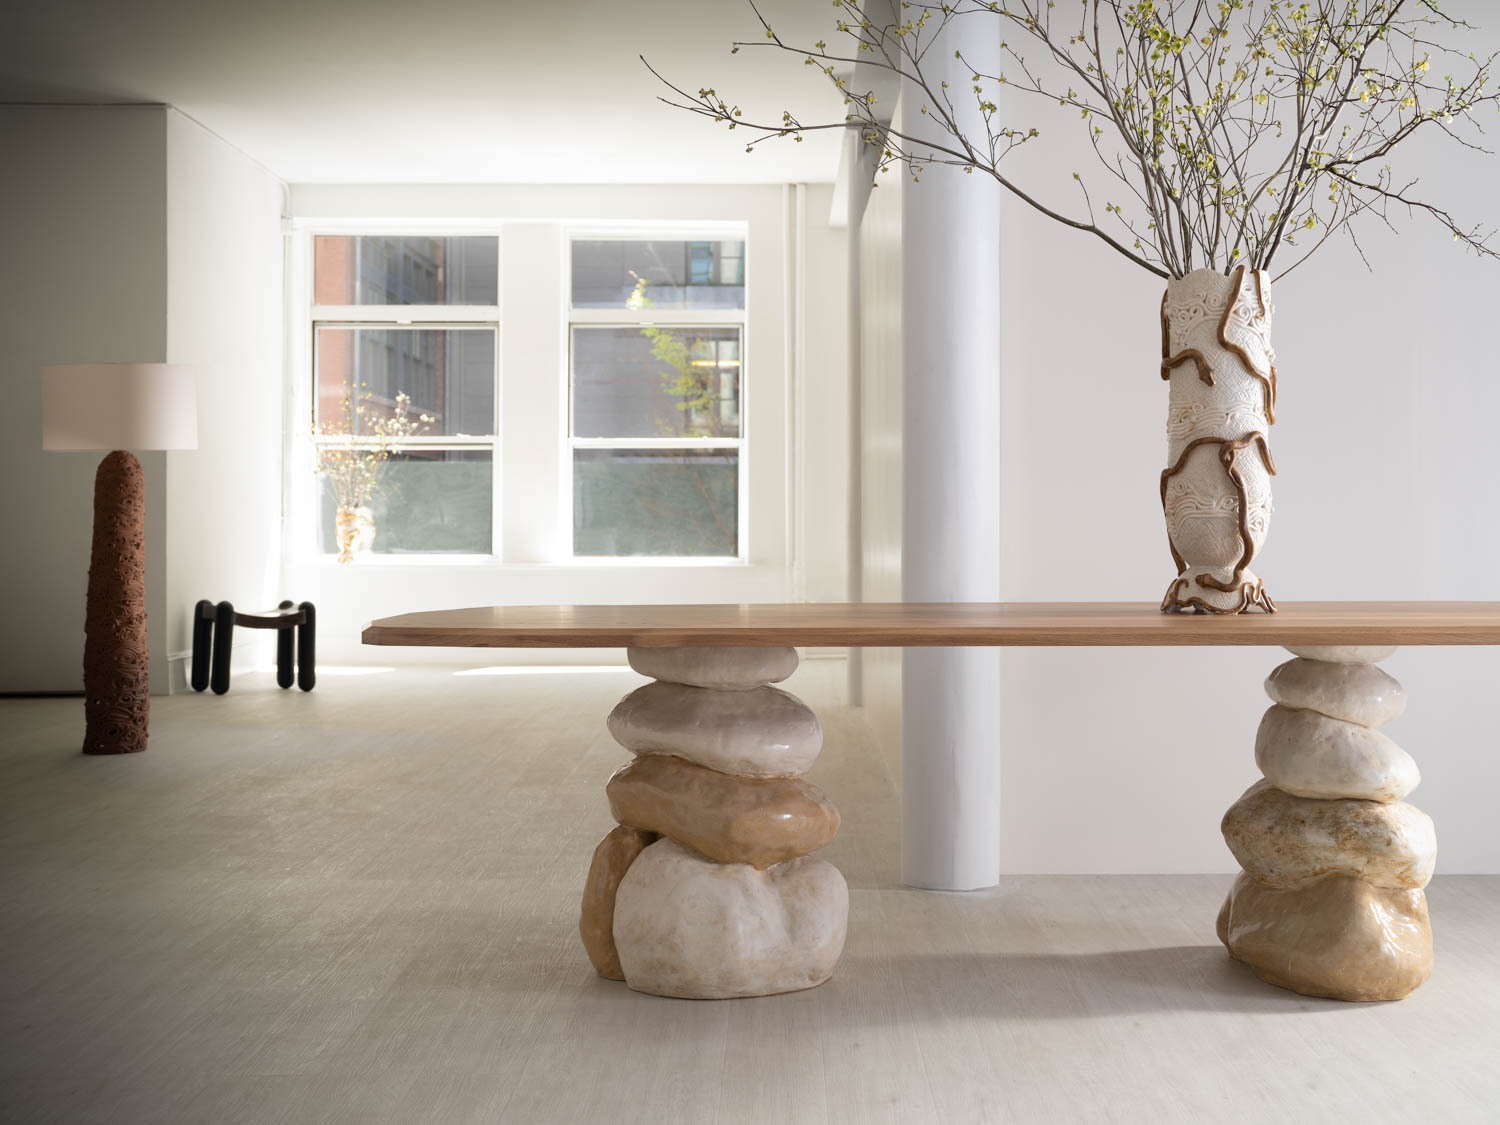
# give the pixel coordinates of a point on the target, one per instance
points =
(762, 732)
(730, 669)
(1287, 841)
(1356, 693)
(1310, 755)
(686, 926)
(1343, 654)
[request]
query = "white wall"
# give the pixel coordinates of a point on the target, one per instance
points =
(83, 242)
(1119, 760)
(877, 260)
(224, 319)
(797, 317)
(1386, 491)
(821, 421)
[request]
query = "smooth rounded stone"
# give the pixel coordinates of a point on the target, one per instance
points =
(1340, 937)
(686, 926)
(1288, 841)
(759, 821)
(762, 732)
(1310, 755)
(596, 922)
(729, 669)
(1356, 693)
(1343, 654)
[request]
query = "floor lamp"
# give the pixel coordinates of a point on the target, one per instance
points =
(119, 407)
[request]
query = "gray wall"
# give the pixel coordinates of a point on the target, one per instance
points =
(132, 234)
(84, 247)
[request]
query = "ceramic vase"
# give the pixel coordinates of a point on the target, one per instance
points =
(1216, 488)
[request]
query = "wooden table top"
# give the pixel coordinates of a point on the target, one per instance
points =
(956, 623)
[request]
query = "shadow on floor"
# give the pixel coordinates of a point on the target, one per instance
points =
(1063, 986)
(939, 988)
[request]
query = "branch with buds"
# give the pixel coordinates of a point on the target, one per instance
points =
(1229, 132)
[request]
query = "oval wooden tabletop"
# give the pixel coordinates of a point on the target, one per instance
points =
(948, 623)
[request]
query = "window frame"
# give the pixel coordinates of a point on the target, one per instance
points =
(766, 507)
(575, 317)
(304, 504)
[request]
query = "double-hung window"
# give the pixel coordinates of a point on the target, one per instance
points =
(656, 405)
(404, 380)
(626, 432)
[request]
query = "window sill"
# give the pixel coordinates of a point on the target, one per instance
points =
(492, 562)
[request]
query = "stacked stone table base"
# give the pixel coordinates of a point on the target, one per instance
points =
(706, 889)
(1330, 900)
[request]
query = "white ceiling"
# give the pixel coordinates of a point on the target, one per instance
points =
(400, 91)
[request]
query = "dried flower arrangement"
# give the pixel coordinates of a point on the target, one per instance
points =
(353, 463)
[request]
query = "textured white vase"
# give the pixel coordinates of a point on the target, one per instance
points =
(1216, 489)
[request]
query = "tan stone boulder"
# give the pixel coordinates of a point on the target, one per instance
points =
(1339, 936)
(1287, 841)
(686, 926)
(759, 821)
(762, 732)
(728, 668)
(612, 858)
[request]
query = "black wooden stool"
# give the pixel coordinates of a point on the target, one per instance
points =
(213, 626)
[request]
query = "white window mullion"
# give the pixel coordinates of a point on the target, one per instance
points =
(427, 316)
(658, 443)
(664, 318)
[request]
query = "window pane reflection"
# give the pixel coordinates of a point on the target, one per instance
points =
(405, 270)
(653, 502)
(447, 373)
(425, 501)
(656, 382)
(654, 273)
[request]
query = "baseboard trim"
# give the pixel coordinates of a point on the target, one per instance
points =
(257, 652)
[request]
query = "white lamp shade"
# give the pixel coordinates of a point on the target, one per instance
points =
(118, 406)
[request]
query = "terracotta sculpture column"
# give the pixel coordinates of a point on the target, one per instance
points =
(119, 407)
(116, 677)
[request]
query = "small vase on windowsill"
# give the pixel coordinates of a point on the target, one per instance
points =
(356, 532)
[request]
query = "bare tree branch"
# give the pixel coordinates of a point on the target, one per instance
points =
(1234, 126)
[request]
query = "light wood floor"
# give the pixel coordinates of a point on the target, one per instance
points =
(360, 906)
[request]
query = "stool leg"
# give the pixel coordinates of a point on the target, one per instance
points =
(203, 631)
(284, 652)
(223, 644)
(307, 647)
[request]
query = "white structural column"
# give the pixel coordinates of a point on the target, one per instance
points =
(950, 756)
